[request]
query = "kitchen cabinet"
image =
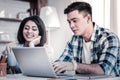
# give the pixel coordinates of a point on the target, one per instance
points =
(10, 19)
(35, 6)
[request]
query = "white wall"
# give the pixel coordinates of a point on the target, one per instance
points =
(118, 17)
(59, 37)
(105, 14)
(115, 16)
(12, 7)
(102, 15)
(100, 11)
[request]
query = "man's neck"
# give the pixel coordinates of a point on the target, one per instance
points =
(88, 33)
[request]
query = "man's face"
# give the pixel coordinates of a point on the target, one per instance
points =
(77, 22)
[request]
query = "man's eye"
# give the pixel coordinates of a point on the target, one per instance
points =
(74, 21)
(69, 22)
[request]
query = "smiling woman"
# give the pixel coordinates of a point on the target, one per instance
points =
(31, 30)
(31, 33)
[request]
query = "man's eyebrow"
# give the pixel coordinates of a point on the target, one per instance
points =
(71, 19)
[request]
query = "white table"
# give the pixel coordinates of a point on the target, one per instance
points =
(22, 77)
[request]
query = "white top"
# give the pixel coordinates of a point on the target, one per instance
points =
(86, 50)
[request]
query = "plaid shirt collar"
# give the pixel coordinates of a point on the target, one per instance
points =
(95, 32)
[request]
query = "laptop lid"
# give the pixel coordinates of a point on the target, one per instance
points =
(34, 61)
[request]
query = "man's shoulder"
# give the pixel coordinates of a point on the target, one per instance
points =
(106, 32)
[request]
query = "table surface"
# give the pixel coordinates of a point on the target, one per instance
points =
(22, 77)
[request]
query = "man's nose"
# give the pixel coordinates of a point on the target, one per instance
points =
(72, 25)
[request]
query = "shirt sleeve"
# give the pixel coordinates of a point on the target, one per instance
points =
(110, 51)
(67, 55)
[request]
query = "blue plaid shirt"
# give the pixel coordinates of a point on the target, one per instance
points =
(105, 50)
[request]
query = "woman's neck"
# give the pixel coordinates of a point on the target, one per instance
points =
(26, 44)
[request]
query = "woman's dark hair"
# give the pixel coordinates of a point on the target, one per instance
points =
(80, 6)
(41, 28)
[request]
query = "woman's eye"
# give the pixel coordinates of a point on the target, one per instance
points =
(34, 29)
(27, 28)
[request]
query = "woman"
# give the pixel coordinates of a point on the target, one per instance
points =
(31, 33)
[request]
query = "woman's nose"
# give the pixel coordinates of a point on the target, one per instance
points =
(30, 30)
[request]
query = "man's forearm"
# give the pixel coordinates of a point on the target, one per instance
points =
(89, 68)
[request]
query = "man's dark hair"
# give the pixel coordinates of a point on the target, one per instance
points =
(80, 6)
(41, 29)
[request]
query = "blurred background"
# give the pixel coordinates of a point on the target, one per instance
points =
(105, 14)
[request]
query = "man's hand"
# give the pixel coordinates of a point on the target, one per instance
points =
(35, 41)
(62, 66)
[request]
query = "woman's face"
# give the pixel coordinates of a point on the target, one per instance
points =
(30, 31)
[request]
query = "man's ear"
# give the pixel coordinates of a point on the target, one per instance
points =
(89, 19)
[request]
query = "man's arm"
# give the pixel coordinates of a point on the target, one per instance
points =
(89, 68)
(81, 68)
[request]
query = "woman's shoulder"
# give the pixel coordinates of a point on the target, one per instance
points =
(14, 44)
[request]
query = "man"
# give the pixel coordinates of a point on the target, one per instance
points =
(92, 49)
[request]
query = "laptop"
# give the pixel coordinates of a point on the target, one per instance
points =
(33, 61)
